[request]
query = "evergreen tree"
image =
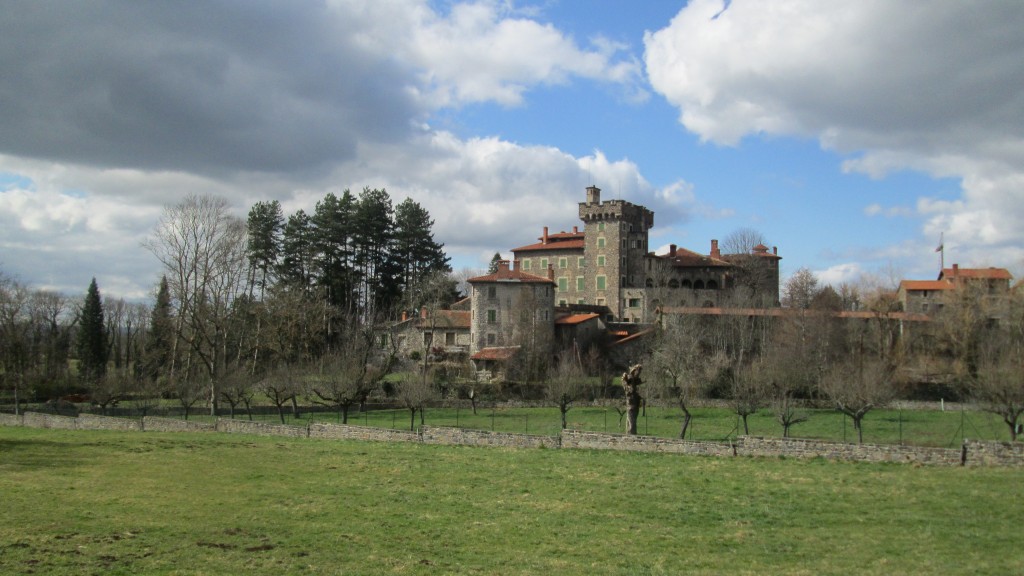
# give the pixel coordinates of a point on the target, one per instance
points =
(297, 251)
(416, 254)
(92, 337)
(374, 225)
(333, 224)
(495, 260)
(265, 226)
(158, 350)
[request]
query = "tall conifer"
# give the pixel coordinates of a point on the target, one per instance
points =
(92, 337)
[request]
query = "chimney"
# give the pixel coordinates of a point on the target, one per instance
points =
(593, 195)
(551, 272)
(515, 264)
(423, 313)
(671, 249)
(775, 250)
(575, 229)
(502, 265)
(545, 235)
(715, 252)
(956, 270)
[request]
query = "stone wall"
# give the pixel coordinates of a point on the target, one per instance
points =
(972, 453)
(346, 432)
(157, 424)
(94, 422)
(39, 420)
(12, 420)
(800, 448)
(260, 428)
(598, 441)
(993, 453)
(467, 437)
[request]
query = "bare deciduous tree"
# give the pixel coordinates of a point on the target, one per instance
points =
(858, 385)
(566, 385)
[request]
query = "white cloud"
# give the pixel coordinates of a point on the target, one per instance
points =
(932, 87)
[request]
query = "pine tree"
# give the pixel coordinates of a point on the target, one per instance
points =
(297, 251)
(265, 226)
(92, 337)
(160, 340)
(333, 227)
(495, 260)
(416, 254)
(374, 225)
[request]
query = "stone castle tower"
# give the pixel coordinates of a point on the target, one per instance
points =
(614, 248)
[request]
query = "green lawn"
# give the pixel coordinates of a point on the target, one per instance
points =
(95, 502)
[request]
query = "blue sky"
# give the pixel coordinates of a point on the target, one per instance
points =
(851, 135)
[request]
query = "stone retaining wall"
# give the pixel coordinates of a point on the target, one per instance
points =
(800, 448)
(347, 432)
(12, 420)
(157, 424)
(599, 441)
(38, 420)
(260, 428)
(467, 437)
(994, 453)
(94, 422)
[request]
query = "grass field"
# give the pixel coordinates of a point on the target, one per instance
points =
(131, 503)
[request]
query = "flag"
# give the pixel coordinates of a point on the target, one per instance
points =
(939, 249)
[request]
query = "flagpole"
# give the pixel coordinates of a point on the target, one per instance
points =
(942, 253)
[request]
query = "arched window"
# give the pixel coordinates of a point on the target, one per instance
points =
(712, 285)
(673, 283)
(698, 285)
(687, 284)
(650, 283)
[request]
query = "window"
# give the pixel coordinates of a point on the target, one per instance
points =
(563, 263)
(624, 243)
(600, 242)
(492, 316)
(600, 301)
(546, 315)
(633, 303)
(563, 284)
(428, 338)
(581, 301)
(580, 284)
(490, 339)
(492, 292)
(526, 264)
(562, 303)
(543, 263)
(449, 338)
(600, 226)
(601, 282)
(581, 262)
(600, 260)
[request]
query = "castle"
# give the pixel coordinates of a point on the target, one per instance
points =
(605, 276)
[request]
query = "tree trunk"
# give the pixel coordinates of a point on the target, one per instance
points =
(632, 413)
(295, 408)
(412, 419)
(686, 423)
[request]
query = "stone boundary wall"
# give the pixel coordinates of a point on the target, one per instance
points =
(994, 453)
(971, 453)
(800, 448)
(599, 441)
(94, 422)
(12, 419)
(260, 428)
(39, 420)
(158, 424)
(468, 437)
(348, 432)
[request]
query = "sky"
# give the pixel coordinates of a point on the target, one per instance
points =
(851, 135)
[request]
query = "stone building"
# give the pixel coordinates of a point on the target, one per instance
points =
(928, 296)
(511, 310)
(608, 264)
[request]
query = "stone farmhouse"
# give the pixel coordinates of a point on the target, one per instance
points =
(927, 296)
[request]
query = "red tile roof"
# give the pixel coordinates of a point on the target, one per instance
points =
(505, 353)
(576, 319)
(556, 245)
(926, 285)
(506, 275)
(986, 273)
(447, 319)
(684, 258)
